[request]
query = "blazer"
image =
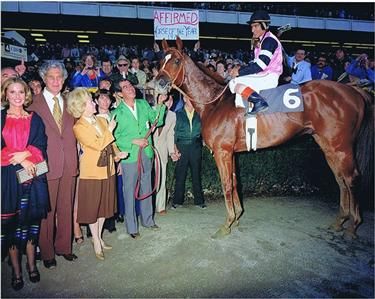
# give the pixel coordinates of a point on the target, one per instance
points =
(129, 128)
(91, 145)
(61, 147)
(164, 142)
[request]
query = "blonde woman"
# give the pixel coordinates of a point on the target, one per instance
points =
(23, 205)
(97, 185)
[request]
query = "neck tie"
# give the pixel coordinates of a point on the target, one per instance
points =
(57, 115)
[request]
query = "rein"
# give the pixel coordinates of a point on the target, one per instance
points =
(177, 87)
(140, 167)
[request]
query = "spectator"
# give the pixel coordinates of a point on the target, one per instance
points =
(74, 52)
(35, 86)
(105, 83)
(301, 68)
(103, 99)
(62, 162)
(65, 52)
(164, 143)
(134, 117)
(321, 70)
(360, 72)
(8, 72)
(141, 75)
(23, 205)
(90, 75)
(338, 64)
(123, 72)
(17, 71)
(188, 142)
(107, 67)
(97, 184)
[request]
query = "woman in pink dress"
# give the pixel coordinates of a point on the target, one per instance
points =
(23, 205)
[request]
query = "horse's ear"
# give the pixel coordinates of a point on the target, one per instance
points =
(165, 45)
(179, 43)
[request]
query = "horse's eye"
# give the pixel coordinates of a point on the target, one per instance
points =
(177, 61)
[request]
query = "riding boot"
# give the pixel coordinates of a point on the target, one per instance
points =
(260, 105)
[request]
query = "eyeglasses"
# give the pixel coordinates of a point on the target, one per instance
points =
(125, 64)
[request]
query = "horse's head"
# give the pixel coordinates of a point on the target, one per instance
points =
(172, 69)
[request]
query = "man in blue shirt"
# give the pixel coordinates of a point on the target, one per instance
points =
(301, 68)
(321, 70)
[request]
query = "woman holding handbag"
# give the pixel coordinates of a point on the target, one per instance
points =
(23, 203)
(97, 180)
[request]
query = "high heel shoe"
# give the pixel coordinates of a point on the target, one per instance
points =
(79, 240)
(34, 276)
(99, 255)
(17, 282)
(105, 246)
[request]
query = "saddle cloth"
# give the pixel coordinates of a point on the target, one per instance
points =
(284, 98)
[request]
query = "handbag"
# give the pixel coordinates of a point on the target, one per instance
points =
(104, 156)
(24, 176)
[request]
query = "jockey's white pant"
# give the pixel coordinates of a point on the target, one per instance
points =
(256, 82)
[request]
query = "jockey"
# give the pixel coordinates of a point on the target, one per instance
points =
(264, 71)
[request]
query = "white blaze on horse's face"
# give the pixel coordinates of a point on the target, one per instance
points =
(167, 57)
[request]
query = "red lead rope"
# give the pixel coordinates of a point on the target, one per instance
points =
(140, 167)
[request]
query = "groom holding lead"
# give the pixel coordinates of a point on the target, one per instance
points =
(134, 118)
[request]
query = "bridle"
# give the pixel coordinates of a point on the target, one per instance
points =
(182, 71)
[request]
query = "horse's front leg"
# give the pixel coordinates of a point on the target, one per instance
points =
(224, 162)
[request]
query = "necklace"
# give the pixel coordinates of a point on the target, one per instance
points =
(18, 115)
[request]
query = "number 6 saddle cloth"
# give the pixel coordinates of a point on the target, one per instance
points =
(284, 98)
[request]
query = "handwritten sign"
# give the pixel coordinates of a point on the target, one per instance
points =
(170, 23)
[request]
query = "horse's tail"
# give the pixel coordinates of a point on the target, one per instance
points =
(364, 152)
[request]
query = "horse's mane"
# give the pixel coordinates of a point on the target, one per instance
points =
(219, 79)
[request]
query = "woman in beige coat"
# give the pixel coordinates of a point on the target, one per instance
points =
(97, 185)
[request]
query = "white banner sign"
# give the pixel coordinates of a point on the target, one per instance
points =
(170, 23)
(13, 52)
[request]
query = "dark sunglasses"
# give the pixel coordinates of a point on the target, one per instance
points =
(125, 64)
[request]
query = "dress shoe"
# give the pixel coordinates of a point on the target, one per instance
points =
(162, 213)
(135, 236)
(69, 256)
(154, 227)
(120, 218)
(50, 264)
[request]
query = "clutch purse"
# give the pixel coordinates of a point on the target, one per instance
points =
(23, 175)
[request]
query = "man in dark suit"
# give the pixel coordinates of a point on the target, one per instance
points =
(56, 230)
(188, 142)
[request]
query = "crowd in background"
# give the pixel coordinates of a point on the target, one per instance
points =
(337, 62)
(333, 10)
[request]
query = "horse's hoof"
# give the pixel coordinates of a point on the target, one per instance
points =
(350, 235)
(236, 223)
(221, 233)
(336, 227)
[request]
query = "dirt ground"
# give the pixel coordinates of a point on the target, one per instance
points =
(282, 248)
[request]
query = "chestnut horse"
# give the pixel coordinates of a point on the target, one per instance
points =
(334, 114)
